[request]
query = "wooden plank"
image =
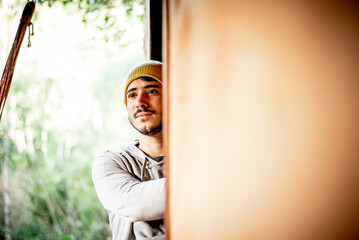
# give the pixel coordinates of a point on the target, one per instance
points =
(166, 103)
(263, 120)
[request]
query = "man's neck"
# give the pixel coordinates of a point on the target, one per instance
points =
(151, 145)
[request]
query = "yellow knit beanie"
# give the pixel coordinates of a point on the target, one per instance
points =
(149, 68)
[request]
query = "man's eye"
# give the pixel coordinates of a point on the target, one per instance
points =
(152, 91)
(131, 95)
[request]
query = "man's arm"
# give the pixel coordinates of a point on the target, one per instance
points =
(125, 195)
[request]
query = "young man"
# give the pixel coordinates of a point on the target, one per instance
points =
(129, 182)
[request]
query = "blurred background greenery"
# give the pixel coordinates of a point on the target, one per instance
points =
(64, 108)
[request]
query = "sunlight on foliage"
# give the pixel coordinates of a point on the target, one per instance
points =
(64, 108)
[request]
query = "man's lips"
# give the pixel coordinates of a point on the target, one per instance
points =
(143, 114)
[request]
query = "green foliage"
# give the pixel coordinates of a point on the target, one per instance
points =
(31, 231)
(59, 118)
(93, 10)
(58, 201)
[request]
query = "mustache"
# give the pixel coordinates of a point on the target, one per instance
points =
(142, 110)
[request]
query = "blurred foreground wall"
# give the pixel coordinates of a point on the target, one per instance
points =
(263, 117)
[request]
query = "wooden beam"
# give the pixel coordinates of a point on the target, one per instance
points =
(154, 29)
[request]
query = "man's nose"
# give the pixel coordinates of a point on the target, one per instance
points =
(141, 101)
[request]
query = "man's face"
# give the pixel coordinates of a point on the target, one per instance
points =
(144, 106)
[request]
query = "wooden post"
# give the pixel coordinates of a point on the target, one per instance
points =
(11, 61)
(154, 29)
(263, 120)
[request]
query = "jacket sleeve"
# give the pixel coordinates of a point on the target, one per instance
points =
(121, 193)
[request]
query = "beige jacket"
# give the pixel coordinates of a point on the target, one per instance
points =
(131, 187)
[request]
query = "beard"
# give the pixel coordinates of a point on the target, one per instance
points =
(148, 131)
(151, 131)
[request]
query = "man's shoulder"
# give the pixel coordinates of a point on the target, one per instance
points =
(127, 150)
(126, 153)
(126, 159)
